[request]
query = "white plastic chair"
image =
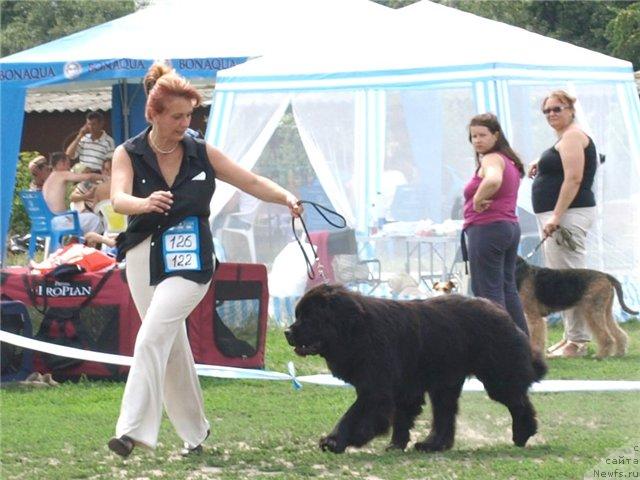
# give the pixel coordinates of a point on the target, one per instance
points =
(241, 223)
(113, 222)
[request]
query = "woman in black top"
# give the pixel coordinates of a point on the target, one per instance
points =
(562, 195)
(164, 180)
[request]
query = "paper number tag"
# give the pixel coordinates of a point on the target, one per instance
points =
(181, 246)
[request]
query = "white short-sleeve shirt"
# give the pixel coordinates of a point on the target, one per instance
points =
(92, 153)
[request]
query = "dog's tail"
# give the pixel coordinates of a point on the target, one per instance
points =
(616, 284)
(539, 366)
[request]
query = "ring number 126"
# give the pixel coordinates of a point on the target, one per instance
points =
(181, 242)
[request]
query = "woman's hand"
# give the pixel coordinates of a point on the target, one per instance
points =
(481, 205)
(533, 170)
(551, 226)
(91, 239)
(159, 201)
(295, 207)
(90, 194)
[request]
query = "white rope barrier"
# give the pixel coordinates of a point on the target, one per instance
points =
(216, 371)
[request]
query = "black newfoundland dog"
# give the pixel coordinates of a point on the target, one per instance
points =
(393, 352)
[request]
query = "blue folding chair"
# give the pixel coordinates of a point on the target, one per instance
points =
(16, 362)
(45, 223)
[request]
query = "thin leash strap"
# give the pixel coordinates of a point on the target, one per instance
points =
(566, 238)
(321, 210)
(532, 252)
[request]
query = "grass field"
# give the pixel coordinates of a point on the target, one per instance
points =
(268, 430)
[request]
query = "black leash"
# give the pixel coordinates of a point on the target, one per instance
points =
(321, 210)
(566, 239)
(533, 252)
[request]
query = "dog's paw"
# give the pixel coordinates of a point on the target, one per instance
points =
(524, 430)
(431, 445)
(395, 446)
(331, 443)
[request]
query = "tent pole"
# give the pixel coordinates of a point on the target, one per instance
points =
(125, 108)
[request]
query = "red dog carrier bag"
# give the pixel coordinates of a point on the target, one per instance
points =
(95, 311)
(229, 326)
(86, 310)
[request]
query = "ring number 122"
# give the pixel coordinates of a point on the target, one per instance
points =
(181, 260)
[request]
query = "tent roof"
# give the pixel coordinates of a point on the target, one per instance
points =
(477, 39)
(426, 42)
(199, 37)
(184, 32)
(200, 29)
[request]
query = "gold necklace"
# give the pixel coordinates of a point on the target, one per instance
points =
(155, 146)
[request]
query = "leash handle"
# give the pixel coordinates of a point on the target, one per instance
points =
(321, 210)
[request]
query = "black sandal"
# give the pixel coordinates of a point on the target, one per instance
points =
(188, 451)
(122, 446)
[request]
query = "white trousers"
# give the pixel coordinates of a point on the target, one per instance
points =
(163, 369)
(559, 255)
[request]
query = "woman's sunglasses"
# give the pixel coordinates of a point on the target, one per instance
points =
(547, 111)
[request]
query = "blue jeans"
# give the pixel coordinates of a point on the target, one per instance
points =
(493, 250)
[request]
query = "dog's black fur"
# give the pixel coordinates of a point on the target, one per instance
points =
(393, 352)
(561, 289)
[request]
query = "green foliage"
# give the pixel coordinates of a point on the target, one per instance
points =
(582, 23)
(623, 33)
(25, 24)
(513, 12)
(20, 223)
(284, 159)
(395, 3)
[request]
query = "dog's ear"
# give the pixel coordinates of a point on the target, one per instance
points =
(435, 285)
(315, 299)
(344, 300)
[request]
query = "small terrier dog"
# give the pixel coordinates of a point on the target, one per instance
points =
(444, 288)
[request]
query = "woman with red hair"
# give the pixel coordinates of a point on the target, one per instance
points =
(164, 180)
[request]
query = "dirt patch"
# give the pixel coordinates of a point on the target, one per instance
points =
(210, 473)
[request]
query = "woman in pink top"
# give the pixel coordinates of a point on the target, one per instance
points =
(490, 220)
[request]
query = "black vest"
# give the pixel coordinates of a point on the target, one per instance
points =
(192, 191)
(546, 186)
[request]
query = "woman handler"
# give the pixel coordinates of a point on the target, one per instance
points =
(164, 180)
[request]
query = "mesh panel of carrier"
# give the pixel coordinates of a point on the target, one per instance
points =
(237, 318)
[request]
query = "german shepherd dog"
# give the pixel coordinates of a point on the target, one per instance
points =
(544, 291)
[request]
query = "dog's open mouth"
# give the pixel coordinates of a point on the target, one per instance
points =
(304, 350)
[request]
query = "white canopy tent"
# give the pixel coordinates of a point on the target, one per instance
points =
(393, 108)
(199, 37)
